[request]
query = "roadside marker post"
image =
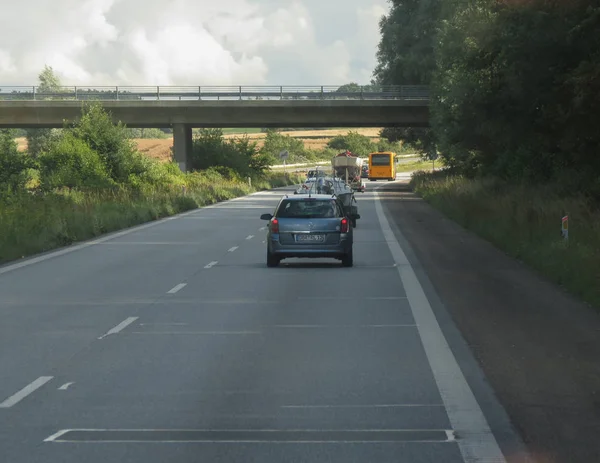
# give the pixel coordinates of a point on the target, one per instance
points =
(565, 228)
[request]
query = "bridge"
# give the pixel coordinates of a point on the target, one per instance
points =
(183, 108)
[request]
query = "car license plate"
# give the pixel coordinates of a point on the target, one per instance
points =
(310, 238)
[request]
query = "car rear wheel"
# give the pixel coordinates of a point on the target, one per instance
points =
(348, 259)
(272, 260)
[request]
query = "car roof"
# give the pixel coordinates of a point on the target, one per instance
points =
(306, 196)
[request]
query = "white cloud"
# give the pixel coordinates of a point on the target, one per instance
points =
(190, 42)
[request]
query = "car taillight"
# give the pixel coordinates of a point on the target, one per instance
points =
(345, 226)
(274, 226)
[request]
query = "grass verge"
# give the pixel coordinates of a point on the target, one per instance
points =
(31, 224)
(525, 222)
(418, 164)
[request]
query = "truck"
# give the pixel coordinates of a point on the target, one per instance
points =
(348, 167)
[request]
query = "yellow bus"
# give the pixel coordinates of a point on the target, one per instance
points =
(382, 166)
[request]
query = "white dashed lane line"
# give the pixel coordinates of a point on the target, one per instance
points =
(176, 288)
(232, 249)
(27, 390)
(212, 264)
(249, 237)
(121, 326)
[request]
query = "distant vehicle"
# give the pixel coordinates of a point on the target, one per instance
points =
(309, 226)
(365, 170)
(313, 174)
(382, 166)
(348, 167)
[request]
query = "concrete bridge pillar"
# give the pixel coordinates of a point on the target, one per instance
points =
(182, 145)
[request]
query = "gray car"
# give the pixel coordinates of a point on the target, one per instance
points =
(309, 226)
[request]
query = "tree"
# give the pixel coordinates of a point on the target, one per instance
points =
(405, 54)
(39, 140)
(111, 141)
(12, 163)
(275, 143)
(49, 81)
(356, 143)
(241, 156)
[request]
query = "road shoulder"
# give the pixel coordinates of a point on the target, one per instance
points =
(519, 340)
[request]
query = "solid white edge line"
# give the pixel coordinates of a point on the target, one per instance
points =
(208, 333)
(176, 288)
(477, 442)
(91, 242)
(233, 430)
(250, 441)
(212, 264)
(56, 436)
(121, 326)
(364, 406)
(27, 390)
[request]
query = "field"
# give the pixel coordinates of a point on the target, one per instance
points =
(312, 139)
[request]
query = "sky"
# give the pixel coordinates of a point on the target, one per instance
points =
(191, 42)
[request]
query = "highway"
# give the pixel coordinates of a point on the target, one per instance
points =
(174, 342)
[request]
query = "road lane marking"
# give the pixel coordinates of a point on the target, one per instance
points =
(65, 386)
(272, 436)
(152, 243)
(121, 326)
(232, 249)
(343, 326)
(56, 435)
(176, 288)
(364, 406)
(262, 228)
(477, 442)
(212, 264)
(29, 389)
(249, 237)
(334, 298)
(208, 333)
(164, 324)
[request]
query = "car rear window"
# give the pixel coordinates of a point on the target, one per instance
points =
(308, 209)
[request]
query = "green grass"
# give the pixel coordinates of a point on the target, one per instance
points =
(418, 164)
(31, 224)
(525, 221)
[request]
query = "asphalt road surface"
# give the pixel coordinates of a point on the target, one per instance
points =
(174, 342)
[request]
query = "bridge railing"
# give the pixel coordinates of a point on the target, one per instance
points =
(241, 92)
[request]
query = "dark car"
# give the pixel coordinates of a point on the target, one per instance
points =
(309, 226)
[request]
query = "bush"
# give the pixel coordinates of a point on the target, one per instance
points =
(210, 149)
(110, 141)
(12, 163)
(275, 143)
(70, 162)
(354, 142)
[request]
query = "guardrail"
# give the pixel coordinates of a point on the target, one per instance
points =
(128, 93)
